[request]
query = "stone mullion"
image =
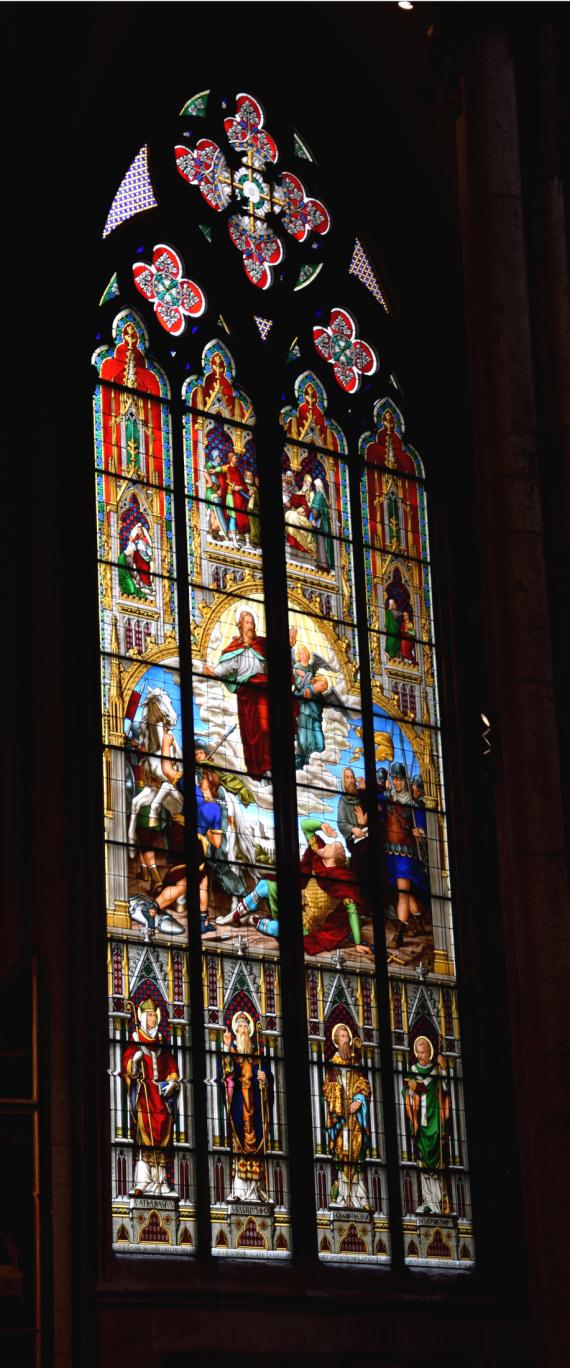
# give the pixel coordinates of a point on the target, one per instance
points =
(269, 441)
(197, 1027)
(374, 869)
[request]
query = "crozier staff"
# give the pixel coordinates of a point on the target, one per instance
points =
(346, 1091)
(151, 1074)
(248, 1087)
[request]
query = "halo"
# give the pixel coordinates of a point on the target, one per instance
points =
(243, 608)
(337, 1028)
(236, 1018)
(428, 1042)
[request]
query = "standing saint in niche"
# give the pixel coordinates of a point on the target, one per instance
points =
(151, 1074)
(248, 1088)
(347, 1093)
(427, 1101)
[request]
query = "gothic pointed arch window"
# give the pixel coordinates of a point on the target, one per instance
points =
(272, 755)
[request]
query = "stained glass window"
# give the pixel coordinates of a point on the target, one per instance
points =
(412, 846)
(149, 1027)
(247, 1126)
(348, 1137)
(134, 195)
(258, 499)
(265, 325)
(362, 269)
(266, 200)
(197, 105)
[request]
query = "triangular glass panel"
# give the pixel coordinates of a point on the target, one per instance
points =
(265, 325)
(111, 291)
(294, 351)
(206, 231)
(361, 268)
(306, 275)
(196, 106)
(135, 193)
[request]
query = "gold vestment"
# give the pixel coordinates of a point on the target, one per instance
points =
(343, 1083)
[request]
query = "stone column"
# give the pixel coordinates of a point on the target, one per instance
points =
(518, 644)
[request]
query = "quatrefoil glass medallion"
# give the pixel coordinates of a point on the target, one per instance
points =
(349, 356)
(255, 190)
(175, 298)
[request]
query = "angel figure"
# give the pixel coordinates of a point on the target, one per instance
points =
(312, 692)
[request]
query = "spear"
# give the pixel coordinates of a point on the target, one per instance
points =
(213, 749)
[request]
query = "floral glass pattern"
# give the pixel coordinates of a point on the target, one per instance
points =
(349, 356)
(257, 192)
(174, 297)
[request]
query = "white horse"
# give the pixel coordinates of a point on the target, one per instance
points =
(158, 715)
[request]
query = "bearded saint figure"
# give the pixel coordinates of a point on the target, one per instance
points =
(151, 1074)
(248, 1088)
(346, 1091)
(243, 668)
